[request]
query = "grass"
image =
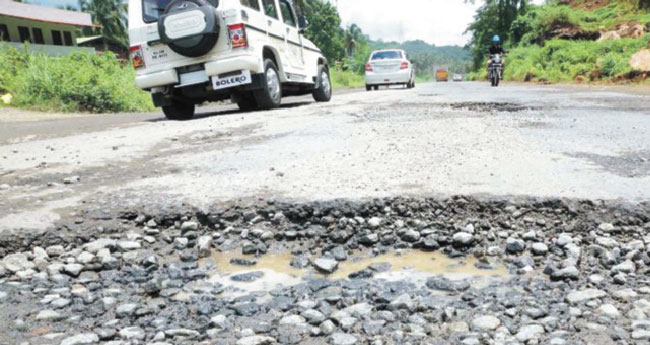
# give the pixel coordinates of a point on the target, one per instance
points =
(78, 82)
(346, 79)
(424, 79)
(352, 80)
(562, 61)
(537, 59)
(608, 17)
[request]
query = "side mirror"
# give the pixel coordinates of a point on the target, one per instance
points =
(302, 23)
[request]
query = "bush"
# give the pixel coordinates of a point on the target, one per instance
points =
(562, 60)
(346, 79)
(78, 82)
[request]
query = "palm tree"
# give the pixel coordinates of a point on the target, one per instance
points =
(352, 37)
(111, 18)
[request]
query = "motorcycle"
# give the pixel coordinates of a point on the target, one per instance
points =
(496, 69)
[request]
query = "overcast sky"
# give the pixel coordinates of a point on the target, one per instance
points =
(441, 22)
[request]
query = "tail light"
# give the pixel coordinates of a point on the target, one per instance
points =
(137, 56)
(368, 67)
(405, 65)
(238, 35)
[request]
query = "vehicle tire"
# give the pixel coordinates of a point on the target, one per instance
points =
(194, 45)
(245, 102)
(495, 80)
(323, 93)
(368, 87)
(376, 87)
(270, 96)
(179, 111)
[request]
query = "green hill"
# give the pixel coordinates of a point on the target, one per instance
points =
(427, 56)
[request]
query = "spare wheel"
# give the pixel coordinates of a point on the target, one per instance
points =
(190, 27)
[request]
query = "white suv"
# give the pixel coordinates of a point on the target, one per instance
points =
(389, 67)
(187, 52)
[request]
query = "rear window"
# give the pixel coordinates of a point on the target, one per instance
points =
(254, 4)
(152, 9)
(387, 55)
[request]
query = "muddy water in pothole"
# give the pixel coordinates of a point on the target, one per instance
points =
(433, 263)
(274, 270)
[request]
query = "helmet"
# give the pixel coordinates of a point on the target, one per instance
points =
(496, 39)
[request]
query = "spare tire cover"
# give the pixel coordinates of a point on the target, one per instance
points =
(189, 27)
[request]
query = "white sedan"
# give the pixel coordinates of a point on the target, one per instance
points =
(389, 67)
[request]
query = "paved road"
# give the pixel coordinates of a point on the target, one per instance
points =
(438, 139)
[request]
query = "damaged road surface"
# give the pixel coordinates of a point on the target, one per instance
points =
(335, 223)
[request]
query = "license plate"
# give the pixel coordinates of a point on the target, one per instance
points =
(158, 54)
(232, 80)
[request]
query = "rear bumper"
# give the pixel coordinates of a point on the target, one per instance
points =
(199, 93)
(162, 78)
(249, 62)
(401, 77)
(212, 68)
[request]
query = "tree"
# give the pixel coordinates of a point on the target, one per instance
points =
(111, 18)
(495, 17)
(352, 37)
(325, 29)
(304, 6)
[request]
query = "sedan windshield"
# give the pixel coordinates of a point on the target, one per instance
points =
(389, 55)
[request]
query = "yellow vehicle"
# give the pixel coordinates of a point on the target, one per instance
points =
(442, 74)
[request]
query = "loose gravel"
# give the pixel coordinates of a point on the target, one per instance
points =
(576, 274)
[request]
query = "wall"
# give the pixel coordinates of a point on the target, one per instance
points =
(13, 23)
(49, 49)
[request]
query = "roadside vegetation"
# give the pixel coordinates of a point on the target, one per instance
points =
(346, 79)
(572, 41)
(78, 82)
(349, 48)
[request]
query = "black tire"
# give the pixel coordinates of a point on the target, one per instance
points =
(179, 111)
(270, 96)
(245, 101)
(495, 80)
(376, 87)
(368, 87)
(411, 84)
(323, 92)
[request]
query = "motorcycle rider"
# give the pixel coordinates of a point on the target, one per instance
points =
(494, 49)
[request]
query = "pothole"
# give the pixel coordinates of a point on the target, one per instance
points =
(488, 107)
(414, 110)
(631, 164)
(411, 270)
